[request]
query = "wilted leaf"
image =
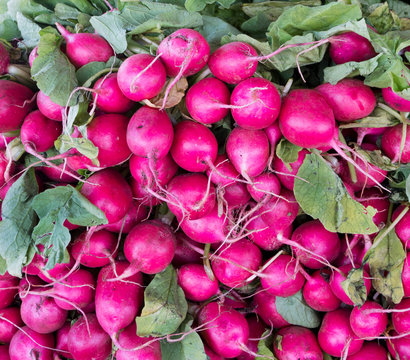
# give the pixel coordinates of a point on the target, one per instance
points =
(383, 19)
(175, 96)
(377, 158)
(377, 119)
(354, 287)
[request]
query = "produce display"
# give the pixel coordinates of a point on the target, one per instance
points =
(204, 179)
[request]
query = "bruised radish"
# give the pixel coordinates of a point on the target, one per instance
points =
(395, 101)
(48, 108)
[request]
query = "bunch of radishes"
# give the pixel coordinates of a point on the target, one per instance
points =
(230, 225)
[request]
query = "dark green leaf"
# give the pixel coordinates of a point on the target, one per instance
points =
(18, 222)
(53, 207)
(354, 287)
(90, 72)
(324, 197)
(84, 146)
(189, 348)
(265, 347)
(296, 312)
(165, 306)
(287, 152)
(400, 182)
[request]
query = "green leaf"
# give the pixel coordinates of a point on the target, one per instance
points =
(84, 146)
(88, 73)
(354, 287)
(52, 70)
(377, 158)
(386, 261)
(377, 119)
(265, 346)
(296, 312)
(64, 11)
(165, 306)
(359, 27)
(111, 27)
(9, 30)
(197, 5)
(323, 196)
(383, 19)
(18, 222)
(53, 207)
(189, 348)
(213, 29)
(287, 152)
(29, 30)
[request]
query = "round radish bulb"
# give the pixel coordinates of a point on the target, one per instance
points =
(256, 103)
(287, 176)
(135, 215)
(401, 320)
(48, 108)
(141, 193)
(405, 276)
(207, 100)
(350, 46)
(28, 344)
(62, 341)
(370, 351)
(141, 76)
(184, 253)
(265, 308)
(395, 101)
(264, 186)
(368, 324)
(223, 173)
(7, 329)
(274, 134)
(8, 289)
(399, 348)
(256, 329)
(235, 195)
(33, 55)
(84, 48)
(350, 99)
(5, 165)
(391, 143)
(108, 95)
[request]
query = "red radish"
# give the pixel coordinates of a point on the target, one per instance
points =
(8, 289)
(370, 351)
(48, 108)
(318, 294)
(248, 150)
(42, 314)
(38, 133)
(350, 46)
(379, 201)
(223, 173)
(95, 250)
(336, 337)
(401, 319)
(313, 236)
(27, 344)
(7, 167)
(391, 141)
(150, 133)
(4, 352)
(225, 330)
(282, 277)
(235, 195)
(287, 172)
(62, 341)
(184, 251)
(8, 317)
(296, 342)
(135, 215)
(399, 348)
(256, 329)
(195, 282)
(112, 296)
(233, 264)
(191, 196)
(364, 132)
(255, 103)
(355, 93)
(84, 48)
(108, 95)
(87, 340)
(149, 247)
(16, 101)
(33, 55)
(265, 308)
(194, 147)
(338, 277)
(140, 77)
(144, 195)
(211, 354)
(4, 59)
(128, 339)
(264, 186)
(405, 276)
(274, 134)
(207, 101)
(108, 190)
(63, 175)
(368, 324)
(395, 101)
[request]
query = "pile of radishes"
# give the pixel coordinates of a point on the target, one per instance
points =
(223, 214)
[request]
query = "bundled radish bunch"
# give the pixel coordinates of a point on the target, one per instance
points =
(166, 195)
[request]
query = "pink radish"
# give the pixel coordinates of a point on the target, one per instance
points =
(235, 195)
(33, 55)
(8, 317)
(368, 324)
(48, 108)
(8, 289)
(256, 329)
(62, 341)
(4, 352)
(287, 172)
(391, 144)
(395, 101)
(368, 133)
(27, 344)
(379, 201)
(370, 351)
(401, 319)
(405, 276)
(185, 251)
(265, 308)
(274, 134)
(264, 186)
(135, 215)
(403, 226)
(223, 173)
(399, 347)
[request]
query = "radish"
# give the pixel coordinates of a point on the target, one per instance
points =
(401, 319)
(36, 308)
(338, 277)
(4, 59)
(255, 103)
(391, 143)
(84, 48)
(256, 329)
(223, 173)
(211, 355)
(274, 134)
(95, 250)
(48, 108)
(318, 294)
(195, 147)
(405, 276)
(350, 46)
(282, 277)
(33, 55)
(8, 289)
(63, 175)
(287, 172)
(140, 77)
(235, 195)
(16, 101)
(395, 101)
(108, 96)
(265, 308)
(225, 330)
(4, 352)
(62, 341)
(248, 150)
(379, 201)
(368, 324)
(195, 283)
(399, 348)
(355, 93)
(134, 216)
(185, 251)
(296, 342)
(313, 236)
(233, 264)
(336, 337)
(150, 133)
(370, 351)
(368, 133)
(264, 187)
(9, 317)
(108, 190)
(87, 340)
(110, 296)
(27, 344)
(128, 339)
(191, 196)
(207, 101)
